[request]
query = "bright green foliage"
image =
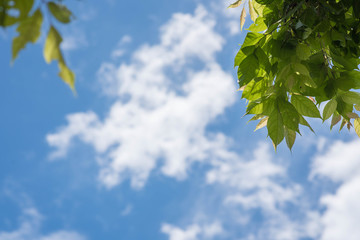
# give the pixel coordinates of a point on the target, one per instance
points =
(29, 23)
(297, 55)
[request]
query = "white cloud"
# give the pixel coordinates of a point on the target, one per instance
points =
(120, 49)
(261, 183)
(29, 229)
(193, 232)
(165, 98)
(256, 183)
(340, 162)
(74, 39)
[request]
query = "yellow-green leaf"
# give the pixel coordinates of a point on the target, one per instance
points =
(60, 12)
(29, 31)
(242, 18)
(262, 123)
(52, 46)
(52, 52)
(253, 14)
(235, 4)
(259, 8)
(357, 126)
(66, 74)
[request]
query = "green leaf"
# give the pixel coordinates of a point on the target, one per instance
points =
(351, 97)
(303, 51)
(329, 109)
(290, 137)
(303, 122)
(60, 12)
(240, 56)
(335, 120)
(251, 39)
(29, 31)
(289, 115)
(305, 106)
(248, 69)
(52, 52)
(235, 4)
(254, 90)
(24, 7)
(258, 26)
(275, 127)
(300, 69)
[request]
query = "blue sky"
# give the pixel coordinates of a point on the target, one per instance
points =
(154, 146)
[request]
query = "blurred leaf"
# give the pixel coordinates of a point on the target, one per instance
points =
(29, 31)
(235, 4)
(52, 52)
(60, 12)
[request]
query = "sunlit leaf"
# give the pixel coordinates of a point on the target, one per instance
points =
(235, 4)
(357, 126)
(242, 18)
(262, 123)
(253, 14)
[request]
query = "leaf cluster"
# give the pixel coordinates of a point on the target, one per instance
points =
(29, 21)
(297, 55)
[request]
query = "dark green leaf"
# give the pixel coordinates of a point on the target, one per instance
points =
(60, 12)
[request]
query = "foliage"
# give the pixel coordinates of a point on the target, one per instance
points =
(29, 20)
(297, 55)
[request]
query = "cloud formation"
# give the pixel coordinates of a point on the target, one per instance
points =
(29, 229)
(193, 232)
(164, 100)
(340, 162)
